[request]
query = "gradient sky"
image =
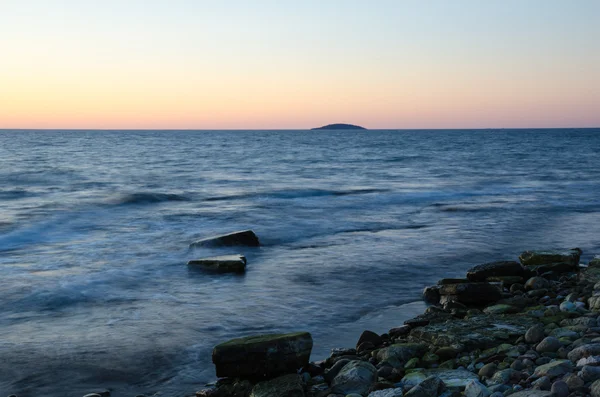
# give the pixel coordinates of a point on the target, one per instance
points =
(299, 64)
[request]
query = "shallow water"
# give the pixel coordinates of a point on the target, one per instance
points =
(95, 228)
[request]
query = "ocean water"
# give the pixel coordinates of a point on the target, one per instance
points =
(95, 228)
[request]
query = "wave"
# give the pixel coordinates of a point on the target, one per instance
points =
(148, 198)
(297, 193)
(14, 194)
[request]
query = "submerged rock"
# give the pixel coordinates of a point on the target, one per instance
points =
(262, 356)
(224, 263)
(241, 238)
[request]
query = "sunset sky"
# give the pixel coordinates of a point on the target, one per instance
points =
(267, 64)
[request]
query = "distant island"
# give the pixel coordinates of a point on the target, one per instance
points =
(340, 126)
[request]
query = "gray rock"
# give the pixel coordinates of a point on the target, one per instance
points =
(475, 388)
(501, 377)
(400, 353)
(495, 269)
(537, 283)
(535, 334)
(224, 263)
(335, 369)
(488, 370)
(262, 355)
(591, 349)
(542, 383)
(283, 386)
(369, 336)
(560, 389)
(595, 389)
(397, 392)
(554, 369)
(589, 373)
(548, 345)
(573, 381)
(241, 238)
(355, 377)
(431, 386)
(532, 393)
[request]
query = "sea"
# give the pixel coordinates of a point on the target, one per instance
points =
(96, 226)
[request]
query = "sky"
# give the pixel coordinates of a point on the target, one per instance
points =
(269, 64)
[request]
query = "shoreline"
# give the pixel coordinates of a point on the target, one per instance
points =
(527, 328)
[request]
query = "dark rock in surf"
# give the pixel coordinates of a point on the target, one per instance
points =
(242, 238)
(556, 261)
(262, 356)
(470, 293)
(222, 264)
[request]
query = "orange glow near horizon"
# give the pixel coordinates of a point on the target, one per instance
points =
(166, 71)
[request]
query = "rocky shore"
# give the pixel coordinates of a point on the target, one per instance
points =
(526, 328)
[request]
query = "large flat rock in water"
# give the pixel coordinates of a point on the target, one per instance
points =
(222, 264)
(477, 332)
(242, 238)
(262, 356)
(569, 259)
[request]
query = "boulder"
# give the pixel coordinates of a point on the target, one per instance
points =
(474, 388)
(283, 386)
(398, 354)
(454, 379)
(369, 336)
(554, 369)
(397, 392)
(431, 295)
(595, 389)
(537, 283)
(431, 386)
(471, 293)
(495, 269)
(262, 356)
(549, 344)
(532, 393)
(538, 258)
(591, 349)
(355, 377)
(242, 238)
(222, 264)
(589, 373)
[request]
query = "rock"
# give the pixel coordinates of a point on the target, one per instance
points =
(262, 355)
(230, 388)
(431, 295)
(431, 386)
(475, 389)
(224, 263)
(502, 376)
(589, 373)
(355, 377)
(560, 389)
(595, 389)
(592, 349)
(369, 336)
(548, 345)
(400, 353)
(536, 258)
(591, 360)
(397, 392)
(335, 369)
(454, 379)
(471, 293)
(573, 381)
(568, 307)
(532, 393)
(501, 309)
(241, 238)
(283, 386)
(537, 283)
(495, 269)
(488, 370)
(535, 334)
(554, 369)
(542, 383)
(399, 331)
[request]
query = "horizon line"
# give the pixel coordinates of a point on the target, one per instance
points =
(294, 129)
